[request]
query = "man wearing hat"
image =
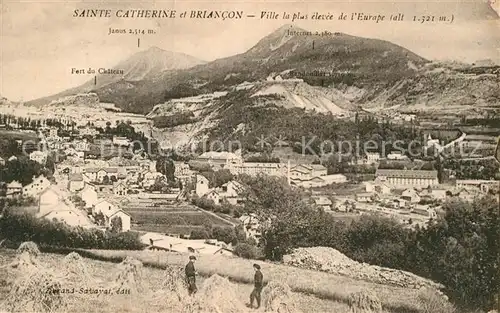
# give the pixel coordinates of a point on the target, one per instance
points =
(258, 278)
(191, 275)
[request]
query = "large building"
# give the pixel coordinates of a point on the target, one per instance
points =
(407, 178)
(254, 168)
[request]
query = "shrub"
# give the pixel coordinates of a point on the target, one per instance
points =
(26, 227)
(247, 251)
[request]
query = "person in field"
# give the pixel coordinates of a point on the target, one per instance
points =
(190, 272)
(258, 279)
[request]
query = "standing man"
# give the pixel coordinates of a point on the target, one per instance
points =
(191, 275)
(258, 278)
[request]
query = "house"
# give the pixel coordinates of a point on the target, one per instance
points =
(305, 171)
(476, 184)
(369, 186)
(202, 185)
(251, 225)
(255, 168)
(406, 178)
(39, 157)
(410, 195)
(382, 189)
(36, 187)
(181, 169)
(89, 195)
(231, 191)
(121, 141)
(53, 133)
(88, 131)
(75, 182)
(69, 217)
(82, 145)
(103, 206)
(119, 188)
(110, 215)
(364, 197)
(14, 189)
(220, 159)
(323, 202)
(52, 199)
(2, 161)
(396, 155)
(12, 158)
(372, 157)
(464, 194)
(318, 181)
(214, 196)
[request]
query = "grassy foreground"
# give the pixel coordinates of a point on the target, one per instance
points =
(318, 284)
(152, 298)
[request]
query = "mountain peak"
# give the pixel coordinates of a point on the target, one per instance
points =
(288, 28)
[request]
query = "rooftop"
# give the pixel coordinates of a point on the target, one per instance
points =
(407, 173)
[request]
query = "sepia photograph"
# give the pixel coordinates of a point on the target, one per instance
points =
(237, 156)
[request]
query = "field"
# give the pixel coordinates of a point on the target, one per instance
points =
(151, 297)
(172, 220)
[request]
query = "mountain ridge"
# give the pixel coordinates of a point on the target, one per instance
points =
(139, 66)
(362, 60)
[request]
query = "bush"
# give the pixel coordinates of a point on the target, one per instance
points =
(26, 227)
(247, 251)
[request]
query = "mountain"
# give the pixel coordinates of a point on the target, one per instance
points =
(140, 66)
(302, 54)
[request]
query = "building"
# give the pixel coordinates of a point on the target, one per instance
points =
(120, 188)
(396, 155)
(323, 202)
(220, 159)
(214, 196)
(121, 141)
(307, 171)
(82, 145)
(255, 168)
(103, 206)
(202, 185)
(231, 192)
(69, 217)
(39, 157)
(36, 187)
(372, 157)
(318, 181)
(251, 226)
(476, 184)
(88, 131)
(110, 215)
(410, 195)
(407, 178)
(364, 197)
(52, 199)
(14, 189)
(89, 196)
(75, 182)
(99, 174)
(53, 133)
(2, 161)
(182, 170)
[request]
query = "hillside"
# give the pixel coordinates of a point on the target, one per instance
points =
(140, 66)
(312, 291)
(367, 62)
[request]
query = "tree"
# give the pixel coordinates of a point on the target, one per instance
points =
(225, 234)
(166, 167)
(105, 180)
(116, 224)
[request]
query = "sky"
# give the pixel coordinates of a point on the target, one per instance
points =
(41, 41)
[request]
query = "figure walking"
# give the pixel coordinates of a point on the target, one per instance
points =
(191, 275)
(258, 279)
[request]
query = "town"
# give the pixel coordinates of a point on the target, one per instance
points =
(97, 177)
